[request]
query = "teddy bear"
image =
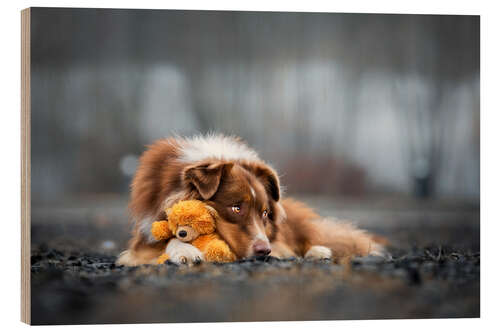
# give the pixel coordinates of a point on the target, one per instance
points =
(192, 221)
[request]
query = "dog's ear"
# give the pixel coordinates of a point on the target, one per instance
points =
(270, 179)
(206, 177)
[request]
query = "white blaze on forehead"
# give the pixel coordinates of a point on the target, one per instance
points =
(261, 236)
(215, 146)
(260, 233)
(253, 192)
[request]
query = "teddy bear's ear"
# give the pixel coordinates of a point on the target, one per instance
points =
(206, 177)
(160, 230)
(212, 211)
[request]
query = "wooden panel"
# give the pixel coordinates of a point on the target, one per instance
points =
(25, 166)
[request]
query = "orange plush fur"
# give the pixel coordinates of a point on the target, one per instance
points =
(197, 221)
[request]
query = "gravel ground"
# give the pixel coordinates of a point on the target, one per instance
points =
(434, 273)
(73, 287)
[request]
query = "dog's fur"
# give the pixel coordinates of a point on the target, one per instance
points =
(225, 173)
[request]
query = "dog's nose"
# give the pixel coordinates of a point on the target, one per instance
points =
(182, 233)
(261, 248)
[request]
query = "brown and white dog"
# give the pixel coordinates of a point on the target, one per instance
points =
(244, 191)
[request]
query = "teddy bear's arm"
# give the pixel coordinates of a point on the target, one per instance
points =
(161, 259)
(161, 230)
(214, 249)
(218, 250)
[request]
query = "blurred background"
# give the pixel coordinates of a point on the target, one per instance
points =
(356, 111)
(371, 118)
(371, 103)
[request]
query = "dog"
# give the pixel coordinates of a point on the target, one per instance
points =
(245, 192)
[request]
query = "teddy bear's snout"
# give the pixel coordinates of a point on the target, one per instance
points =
(186, 233)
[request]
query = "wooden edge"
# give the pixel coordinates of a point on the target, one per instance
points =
(25, 166)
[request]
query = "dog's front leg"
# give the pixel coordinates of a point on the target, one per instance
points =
(280, 250)
(183, 253)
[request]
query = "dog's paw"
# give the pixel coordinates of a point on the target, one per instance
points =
(318, 252)
(125, 258)
(183, 253)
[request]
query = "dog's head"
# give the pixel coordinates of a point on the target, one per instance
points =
(246, 197)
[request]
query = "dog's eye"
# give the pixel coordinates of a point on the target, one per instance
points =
(264, 213)
(236, 209)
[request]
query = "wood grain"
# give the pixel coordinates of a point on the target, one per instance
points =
(25, 166)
